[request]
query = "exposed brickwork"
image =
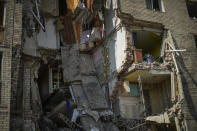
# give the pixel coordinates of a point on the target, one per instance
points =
(6, 68)
(15, 108)
(12, 36)
(176, 19)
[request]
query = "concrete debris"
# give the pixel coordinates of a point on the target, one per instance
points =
(80, 64)
(54, 99)
(94, 93)
(61, 108)
(163, 118)
(70, 61)
(93, 114)
(75, 115)
(86, 65)
(46, 124)
(79, 96)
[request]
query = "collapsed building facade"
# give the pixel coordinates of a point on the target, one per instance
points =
(98, 65)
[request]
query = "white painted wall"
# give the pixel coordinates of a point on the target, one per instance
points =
(48, 39)
(111, 21)
(120, 47)
(111, 85)
(30, 46)
(117, 43)
(117, 47)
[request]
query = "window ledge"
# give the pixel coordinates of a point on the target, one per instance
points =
(3, 106)
(156, 11)
(193, 19)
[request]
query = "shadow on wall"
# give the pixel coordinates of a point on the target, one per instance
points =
(186, 90)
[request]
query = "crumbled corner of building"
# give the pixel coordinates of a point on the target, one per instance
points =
(98, 65)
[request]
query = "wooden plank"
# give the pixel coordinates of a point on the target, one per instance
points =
(173, 90)
(142, 94)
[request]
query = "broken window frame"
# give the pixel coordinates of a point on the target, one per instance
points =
(150, 5)
(51, 79)
(2, 3)
(2, 25)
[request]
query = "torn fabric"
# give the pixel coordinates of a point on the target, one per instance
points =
(72, 4)
(115, 4)
(108, 4)
(111, 4)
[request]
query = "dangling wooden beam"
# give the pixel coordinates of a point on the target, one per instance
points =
(142, 94)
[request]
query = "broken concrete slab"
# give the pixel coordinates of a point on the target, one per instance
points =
(54, 99)
(79, 95)
(62, 108)
(70, 62)
(162, 118)
(93, 114)
(63, 121)
(86, 64)
(94, 93)
(89, 123)
(64, 129)
(110, 127)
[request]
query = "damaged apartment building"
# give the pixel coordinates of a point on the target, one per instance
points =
(98, 65)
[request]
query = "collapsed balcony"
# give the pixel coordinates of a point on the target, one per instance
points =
(148, 46)
(148, 94)
(156, 88)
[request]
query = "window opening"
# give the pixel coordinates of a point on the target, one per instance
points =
(1, 56)
(57, 78)
(1, 13)
(148, 45)
(2, 18)
(192, 9)
(155, 5)
(195, 37)
(62, 7)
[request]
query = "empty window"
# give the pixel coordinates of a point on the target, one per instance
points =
(1, 13)
(148, 45)
(155, 5)
(62, 8)
(195, 37)
(192, 9)
(2, 18)
(1, 56)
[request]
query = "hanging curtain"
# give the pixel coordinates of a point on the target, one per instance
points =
(72, 4)
(149, 4)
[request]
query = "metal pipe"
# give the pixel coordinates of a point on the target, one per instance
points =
(38, 20)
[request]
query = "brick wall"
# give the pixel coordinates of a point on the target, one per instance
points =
(12, 36)
(6, 68)
(176, 19)
(16, 88)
